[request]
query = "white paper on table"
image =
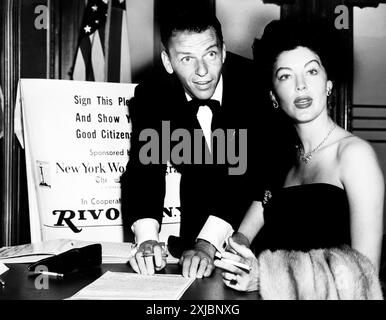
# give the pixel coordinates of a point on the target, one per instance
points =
(112, 252)
(132, 286)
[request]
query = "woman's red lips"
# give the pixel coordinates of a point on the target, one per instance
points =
(303, 102)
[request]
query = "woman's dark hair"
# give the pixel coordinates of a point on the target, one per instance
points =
(285, 35)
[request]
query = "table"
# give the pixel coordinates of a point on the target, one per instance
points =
(21, 286)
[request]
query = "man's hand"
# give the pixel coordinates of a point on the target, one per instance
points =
(148, 257)
(198, 262)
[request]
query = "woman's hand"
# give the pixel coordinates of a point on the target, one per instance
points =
(237, 278)
(240, 238)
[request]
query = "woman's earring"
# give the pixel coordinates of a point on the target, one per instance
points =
(329, 98)
(274, 101)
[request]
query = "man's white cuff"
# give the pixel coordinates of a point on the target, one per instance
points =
(145, 229)
(216, 231)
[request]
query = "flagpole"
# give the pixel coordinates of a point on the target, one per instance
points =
(107, 36)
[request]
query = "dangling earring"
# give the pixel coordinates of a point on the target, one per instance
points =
(274, 101)
(329, 105)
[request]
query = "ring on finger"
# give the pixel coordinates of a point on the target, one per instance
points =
(234, 280)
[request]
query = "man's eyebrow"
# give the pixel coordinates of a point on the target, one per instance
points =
(184, 52)
(212, 46)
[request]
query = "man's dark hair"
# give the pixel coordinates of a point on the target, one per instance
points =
(191, 18)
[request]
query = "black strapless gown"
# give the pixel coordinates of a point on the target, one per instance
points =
(305, 217)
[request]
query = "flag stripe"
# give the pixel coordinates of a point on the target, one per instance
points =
(125, 52)
(102, 37)
(115, 43)
(85, 48)
(97, 58)
(79, 68)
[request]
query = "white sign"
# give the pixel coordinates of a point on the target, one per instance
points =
(77, 140)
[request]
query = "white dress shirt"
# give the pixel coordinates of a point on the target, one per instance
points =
(205, 115)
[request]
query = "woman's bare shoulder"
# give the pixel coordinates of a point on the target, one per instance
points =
(354, 151)
(351, 143)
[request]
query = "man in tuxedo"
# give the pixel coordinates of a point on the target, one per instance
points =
(198, 76)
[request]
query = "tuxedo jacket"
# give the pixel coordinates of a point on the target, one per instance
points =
(205, 189)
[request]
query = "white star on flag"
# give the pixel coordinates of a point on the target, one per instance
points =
(94, 61)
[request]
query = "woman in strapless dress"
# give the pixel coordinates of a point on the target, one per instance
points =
(333, 194)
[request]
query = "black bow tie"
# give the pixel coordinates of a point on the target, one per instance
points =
(211, 103)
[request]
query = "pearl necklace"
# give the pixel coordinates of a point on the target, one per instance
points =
(306, 157)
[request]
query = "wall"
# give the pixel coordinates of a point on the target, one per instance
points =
(369, 85)
(141, 35)
(370, 54)
(243, 21)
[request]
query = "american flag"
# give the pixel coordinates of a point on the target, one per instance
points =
(103, 46)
